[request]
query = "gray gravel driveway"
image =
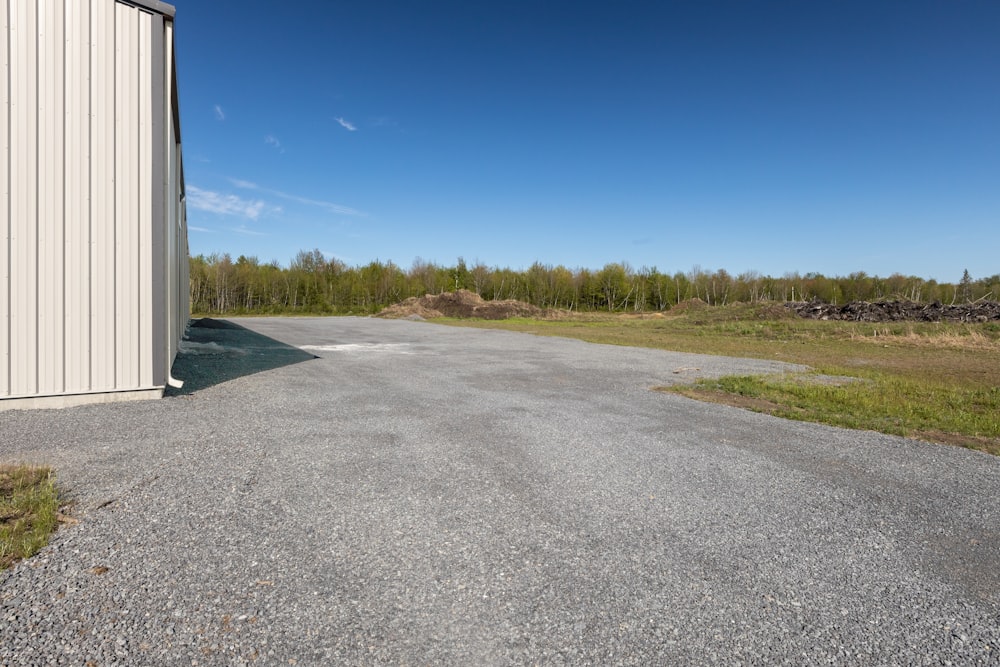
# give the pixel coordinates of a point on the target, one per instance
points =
(361, 491)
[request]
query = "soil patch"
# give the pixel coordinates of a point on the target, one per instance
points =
(462, 303)
(688, 305)
(733, 400)
(896, 311)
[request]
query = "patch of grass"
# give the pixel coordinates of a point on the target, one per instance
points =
(934, 381)
(876, 401)
(29, 510)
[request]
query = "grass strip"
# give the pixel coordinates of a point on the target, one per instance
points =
(29, 509)
(876, 402)
(929, 380)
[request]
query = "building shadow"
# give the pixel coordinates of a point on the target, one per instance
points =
(216, 351)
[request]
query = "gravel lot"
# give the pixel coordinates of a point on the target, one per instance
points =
(363, 491)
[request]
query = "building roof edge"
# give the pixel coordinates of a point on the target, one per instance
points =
(153, 5)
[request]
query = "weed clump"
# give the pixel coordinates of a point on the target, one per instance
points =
(29, 510)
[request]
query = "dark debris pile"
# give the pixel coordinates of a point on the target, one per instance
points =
(895, 311)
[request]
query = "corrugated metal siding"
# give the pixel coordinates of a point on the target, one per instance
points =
(176, 248)
(92, 234)
(5, 164)
(128, 212)
(50, 184)
(102, 196)
(23, 251)
(77, 210)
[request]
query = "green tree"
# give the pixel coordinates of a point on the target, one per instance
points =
(615, 286)
(965, 287)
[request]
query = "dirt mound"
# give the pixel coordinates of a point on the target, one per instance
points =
(895, 311)
(462, 303)
(694, 304)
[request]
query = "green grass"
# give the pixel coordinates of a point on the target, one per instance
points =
(875, 401)
(29, 511)
(934, 381)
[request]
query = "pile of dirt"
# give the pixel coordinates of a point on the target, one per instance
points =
(687, 305)
(462, 303)
(896, 311)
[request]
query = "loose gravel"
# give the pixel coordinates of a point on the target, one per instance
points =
(363, 491)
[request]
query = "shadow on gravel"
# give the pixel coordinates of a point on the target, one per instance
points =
(216, 351)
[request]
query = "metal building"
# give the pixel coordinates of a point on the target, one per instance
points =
(93, 234)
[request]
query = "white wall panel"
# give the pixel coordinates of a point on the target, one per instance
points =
(24, 197)
(125, 206)
(143, 180)
(93, 235)
(51, 189)
(102, 196)
(77, 202)
(5, 168)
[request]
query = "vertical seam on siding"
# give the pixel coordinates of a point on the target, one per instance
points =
(114, 195)
(66, 177)
(10, 208)
(140, 168)
(90, 199)
(38, 222)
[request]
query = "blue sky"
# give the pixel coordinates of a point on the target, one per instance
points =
(807, 136)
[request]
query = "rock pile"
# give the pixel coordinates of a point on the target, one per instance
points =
(895, 311)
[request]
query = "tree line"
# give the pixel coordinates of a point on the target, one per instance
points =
(313, 284)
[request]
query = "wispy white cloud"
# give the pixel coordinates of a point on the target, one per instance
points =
(219, 113)
(329, 206)
(243, 229)
(383, 121)
(225, 204)
(272, 140)
(319, 203)
(192, 228)
(347, 125)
